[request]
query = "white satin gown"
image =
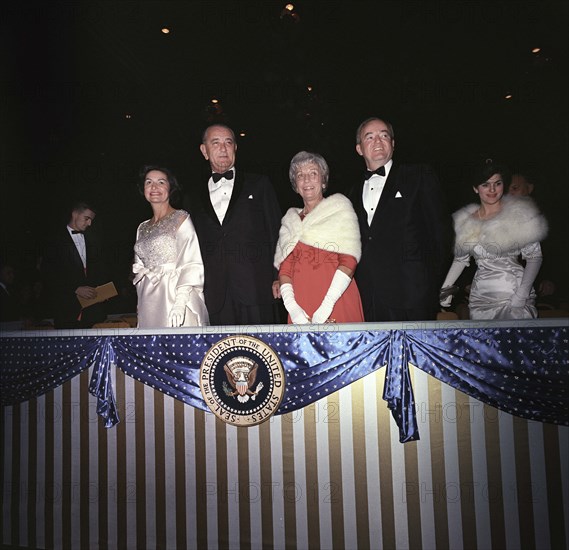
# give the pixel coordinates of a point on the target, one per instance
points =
(497, 277)
(168, 256)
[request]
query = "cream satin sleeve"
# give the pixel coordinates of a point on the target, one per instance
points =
(190, 269)
(137, 265)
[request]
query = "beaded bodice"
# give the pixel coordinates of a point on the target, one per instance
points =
(156, 243)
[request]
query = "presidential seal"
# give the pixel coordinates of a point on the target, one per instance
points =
(242, 380)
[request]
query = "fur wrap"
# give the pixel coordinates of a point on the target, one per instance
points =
(518, 224)
(331, 226)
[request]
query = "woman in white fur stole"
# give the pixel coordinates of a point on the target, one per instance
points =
(496, 232)
(318, 249)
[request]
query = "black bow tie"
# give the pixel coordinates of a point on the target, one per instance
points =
(380, 172)
(75, 231)
(227, 175)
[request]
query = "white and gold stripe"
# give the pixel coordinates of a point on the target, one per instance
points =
(332, 475)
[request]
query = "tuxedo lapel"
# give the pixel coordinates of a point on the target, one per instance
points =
(237, 188)
(359, 205)
(386, 194)
(90, 249)
(206, 202)
(75, 256)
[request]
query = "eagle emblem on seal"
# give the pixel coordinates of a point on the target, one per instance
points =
(241, 373)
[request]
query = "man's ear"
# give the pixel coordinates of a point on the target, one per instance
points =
(359, 149)
(204, 151)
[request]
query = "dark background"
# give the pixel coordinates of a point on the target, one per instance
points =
(93, 90)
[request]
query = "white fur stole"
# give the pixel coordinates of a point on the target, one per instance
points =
(518, 224)
(331, 226)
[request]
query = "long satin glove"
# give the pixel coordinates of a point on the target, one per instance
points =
(340, 282)
(453, 274)
(297, 315)
(178, 311)
(522, 293)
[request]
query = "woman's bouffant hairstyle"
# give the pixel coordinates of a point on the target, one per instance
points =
(484, 170)
(175, 189)
(304, 157)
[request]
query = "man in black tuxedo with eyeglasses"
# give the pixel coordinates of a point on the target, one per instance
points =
(237, 219)
(73, 265)
(405, 231)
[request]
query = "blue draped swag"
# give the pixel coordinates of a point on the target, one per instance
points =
(521, 370)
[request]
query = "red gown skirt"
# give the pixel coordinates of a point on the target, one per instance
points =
(311, 270)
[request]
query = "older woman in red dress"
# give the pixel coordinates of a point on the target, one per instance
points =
(318, 249)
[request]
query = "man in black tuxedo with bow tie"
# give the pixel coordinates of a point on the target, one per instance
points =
(404, 229)
(73, 265)
(237, 219)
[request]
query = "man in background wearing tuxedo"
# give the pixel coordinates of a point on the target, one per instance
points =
(404, 228)
(237, 219)
(73, 266)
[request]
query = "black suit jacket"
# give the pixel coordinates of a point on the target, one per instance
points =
(64, 273)
(405, 248)
(238, 254)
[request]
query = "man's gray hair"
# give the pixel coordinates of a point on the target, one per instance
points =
(218, 125)
(366, 121)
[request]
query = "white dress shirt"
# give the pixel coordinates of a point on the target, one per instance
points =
(220, 195)
(373, 188)
(79, 240)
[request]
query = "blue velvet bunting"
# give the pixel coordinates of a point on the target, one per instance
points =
(523, 371)
(101, 385)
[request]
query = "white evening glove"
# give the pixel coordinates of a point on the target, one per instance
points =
(531, 270)
(340, 282)
(297, 314)
(453, 274)
(178, 311)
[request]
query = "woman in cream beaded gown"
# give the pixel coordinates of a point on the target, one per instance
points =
(168, 268)
(496, 233)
